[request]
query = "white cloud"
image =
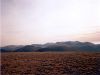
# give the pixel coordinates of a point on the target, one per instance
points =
(49, 19)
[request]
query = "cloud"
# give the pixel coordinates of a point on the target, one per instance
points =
(40, 21)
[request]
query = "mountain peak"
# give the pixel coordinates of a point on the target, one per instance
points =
(58, 46)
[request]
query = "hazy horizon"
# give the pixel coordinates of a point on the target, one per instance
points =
(41, 21)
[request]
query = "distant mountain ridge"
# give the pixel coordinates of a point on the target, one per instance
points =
(52, 47)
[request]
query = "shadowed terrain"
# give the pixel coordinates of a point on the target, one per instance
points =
(50, 63)
(54, 47)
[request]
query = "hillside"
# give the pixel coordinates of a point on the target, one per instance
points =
(52, 47)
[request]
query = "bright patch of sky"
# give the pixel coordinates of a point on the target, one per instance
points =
(41, 21)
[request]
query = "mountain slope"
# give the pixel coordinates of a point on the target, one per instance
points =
(58, 46)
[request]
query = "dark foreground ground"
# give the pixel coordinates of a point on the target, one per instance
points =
(46, 63)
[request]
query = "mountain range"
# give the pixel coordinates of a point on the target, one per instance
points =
(54, 47)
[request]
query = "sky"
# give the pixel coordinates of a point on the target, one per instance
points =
(41, 21)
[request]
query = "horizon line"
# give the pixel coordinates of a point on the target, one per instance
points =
(51, 42)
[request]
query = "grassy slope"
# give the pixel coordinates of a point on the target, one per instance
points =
(48, 63)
